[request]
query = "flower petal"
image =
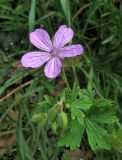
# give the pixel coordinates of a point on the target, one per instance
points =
(70, 51)
(53, 68)
(62, 36)
(41, 40)
(35, 59)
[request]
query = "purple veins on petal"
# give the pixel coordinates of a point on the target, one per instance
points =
(53, 68)
(35, 59)
(62, 36)
(53, 53)
(40, 39)
(70, 51)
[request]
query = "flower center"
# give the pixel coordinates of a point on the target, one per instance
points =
(54, 53)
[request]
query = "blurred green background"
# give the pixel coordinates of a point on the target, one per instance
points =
(98, 27)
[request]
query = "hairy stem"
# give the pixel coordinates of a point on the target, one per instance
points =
(75, 75)
(65, 78)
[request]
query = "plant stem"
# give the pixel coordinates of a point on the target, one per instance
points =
(65, 78)
(75, 75)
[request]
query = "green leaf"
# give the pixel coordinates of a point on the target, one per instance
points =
(45, 105)
(75, 92)
(66, 9)
(32, 16)
(2, 88)
(106, 116)
(23, 147)
(103, 111)
(82, 103)
(42, 107)
(87, 92)
(77, 105)
(65, 94)
(50, 100)
(102, 102)
(116, 139)
(96, 136)
(76, 112)
(108, 39)
(72, 136)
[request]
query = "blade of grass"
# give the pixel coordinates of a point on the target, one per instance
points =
(23, 148)
(32, 15)
(66, 9)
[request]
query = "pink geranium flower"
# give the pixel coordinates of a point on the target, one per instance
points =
(52, 53)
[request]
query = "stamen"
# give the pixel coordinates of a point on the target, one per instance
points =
(54, 53)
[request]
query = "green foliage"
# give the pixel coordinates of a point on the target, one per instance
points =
(46, 104)
(96, 136)
(23, 147)
(115, 139)
(82, 103)
(72, 136)
(85, 112)
(92, 118)
(77, 113)
(104, 115)
(96, 112)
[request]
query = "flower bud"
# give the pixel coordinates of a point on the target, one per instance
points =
(63, 119)
(42, 123)
(67, 105)
(54, 127)
(59, 105)
(52, 113)
(39, 117)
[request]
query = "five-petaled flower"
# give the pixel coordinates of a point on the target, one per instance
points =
(51, 53)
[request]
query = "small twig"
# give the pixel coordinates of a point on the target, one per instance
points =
(4, 133)
(15, 90)
(7, 132)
